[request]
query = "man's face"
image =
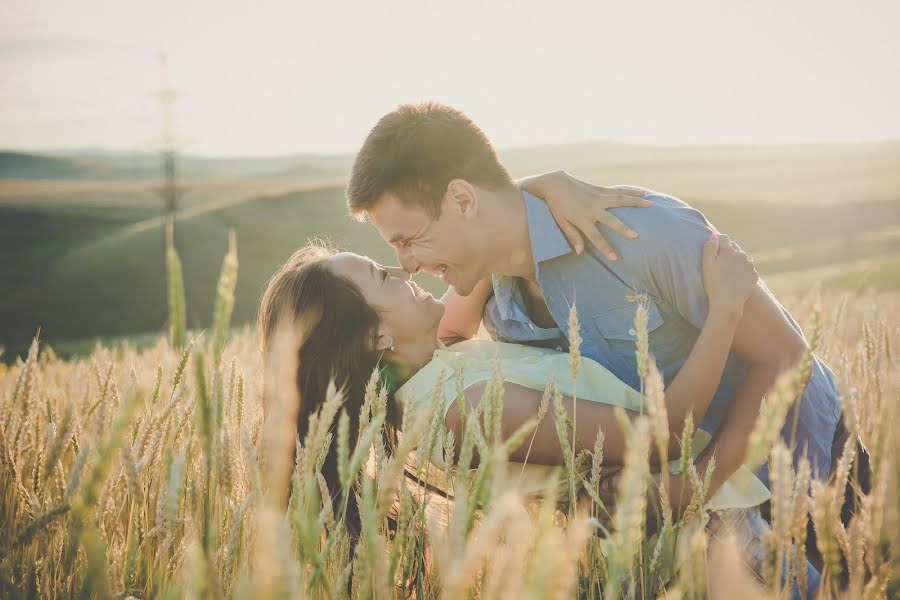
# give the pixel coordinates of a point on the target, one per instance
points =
(447, 247)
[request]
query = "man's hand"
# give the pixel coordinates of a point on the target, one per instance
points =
(681, 492)
(609, 484)
(578, 206)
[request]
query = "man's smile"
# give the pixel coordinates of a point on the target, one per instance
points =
(440, 272)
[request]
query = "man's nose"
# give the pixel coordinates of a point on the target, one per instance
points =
(400, 273)
(408, 262)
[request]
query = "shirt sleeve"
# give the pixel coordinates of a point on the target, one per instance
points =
(665, 260)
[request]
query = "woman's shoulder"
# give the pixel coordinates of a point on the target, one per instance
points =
(468, 362)
(488, 349)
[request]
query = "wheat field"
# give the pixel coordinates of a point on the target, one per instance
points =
(161, 474)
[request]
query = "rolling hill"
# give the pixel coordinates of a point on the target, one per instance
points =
(20, 165)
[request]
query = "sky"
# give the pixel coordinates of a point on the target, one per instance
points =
(274, 77)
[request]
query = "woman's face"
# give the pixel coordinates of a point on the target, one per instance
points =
(408, 313)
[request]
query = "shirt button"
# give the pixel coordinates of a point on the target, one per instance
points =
(580, 339)
(531, 325)
(559, 348)
(632, 331)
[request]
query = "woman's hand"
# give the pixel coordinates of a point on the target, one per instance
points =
(728, 274)
(578, 206)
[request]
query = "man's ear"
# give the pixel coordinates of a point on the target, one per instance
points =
(462, 199)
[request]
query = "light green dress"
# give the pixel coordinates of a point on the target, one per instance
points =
(532, 368)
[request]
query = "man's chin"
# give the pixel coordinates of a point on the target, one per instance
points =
(462, 289)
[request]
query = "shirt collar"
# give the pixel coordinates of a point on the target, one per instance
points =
(508, 298)
(547, 240)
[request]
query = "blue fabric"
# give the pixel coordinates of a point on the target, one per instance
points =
(813, 582)
(663, 265)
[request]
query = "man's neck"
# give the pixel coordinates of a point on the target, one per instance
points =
(506, 222)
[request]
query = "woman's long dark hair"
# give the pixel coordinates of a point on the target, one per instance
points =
(337, 343)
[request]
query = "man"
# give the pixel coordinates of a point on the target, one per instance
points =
(429, 180)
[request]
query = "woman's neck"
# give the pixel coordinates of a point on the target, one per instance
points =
(415, 355)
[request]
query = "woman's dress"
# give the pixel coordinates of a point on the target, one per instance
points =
(466, 363)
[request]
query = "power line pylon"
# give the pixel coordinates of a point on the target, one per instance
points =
(170, 191)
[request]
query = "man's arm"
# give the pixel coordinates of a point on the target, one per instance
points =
(666, 261)
(462, 314)
(728, 279)
(770, 345)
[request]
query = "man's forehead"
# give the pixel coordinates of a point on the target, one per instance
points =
(394, 218)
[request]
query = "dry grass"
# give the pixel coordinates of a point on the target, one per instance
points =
(155, 474)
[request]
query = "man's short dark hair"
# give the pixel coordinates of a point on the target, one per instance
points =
(415, 151)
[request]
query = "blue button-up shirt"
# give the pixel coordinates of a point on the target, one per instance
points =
(663, 265)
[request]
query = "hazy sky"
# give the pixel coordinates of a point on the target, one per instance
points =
(267, 77)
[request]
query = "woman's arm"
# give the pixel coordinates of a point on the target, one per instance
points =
(462, 314)
(578, 206)
(521, 403)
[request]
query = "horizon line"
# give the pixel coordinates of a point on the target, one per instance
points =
(64, 152)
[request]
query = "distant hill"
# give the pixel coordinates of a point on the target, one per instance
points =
(33, 166)
(609, 155)
(105, 165)
(79, 273)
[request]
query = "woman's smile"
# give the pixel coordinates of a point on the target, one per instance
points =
(421, 295)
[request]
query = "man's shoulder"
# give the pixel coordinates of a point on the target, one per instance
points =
(668, 214)
(667, 225)
(669, 247)
(671, 236)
